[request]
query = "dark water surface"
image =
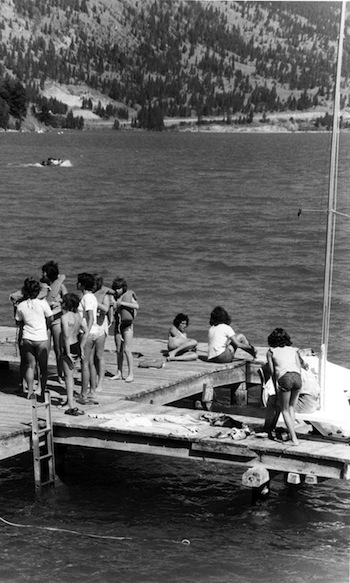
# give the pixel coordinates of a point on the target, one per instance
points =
(191, 221)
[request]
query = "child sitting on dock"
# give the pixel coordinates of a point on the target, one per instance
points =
(285, 365)
(222, 340)
(180, 347)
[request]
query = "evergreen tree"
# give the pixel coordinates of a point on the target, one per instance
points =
(4, 113)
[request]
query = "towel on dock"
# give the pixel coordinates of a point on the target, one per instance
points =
(164, 424)
(150, 362)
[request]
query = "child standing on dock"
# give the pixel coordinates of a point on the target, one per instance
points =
(126, 306)
(285, 366)
(34, 316)
(73, 339)
(105, 297)
(88, 307)
(56, 291)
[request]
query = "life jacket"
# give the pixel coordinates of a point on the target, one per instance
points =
(100, 296)
(54, 296)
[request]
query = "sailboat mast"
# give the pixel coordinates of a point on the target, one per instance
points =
(331, 215)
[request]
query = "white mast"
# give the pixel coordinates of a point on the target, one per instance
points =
(333, 179)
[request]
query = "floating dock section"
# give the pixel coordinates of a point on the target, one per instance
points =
(164, 412)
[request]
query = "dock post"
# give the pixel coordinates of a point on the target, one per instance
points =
(258, 479)
(239, 393)
(293, 478)
(207, 397)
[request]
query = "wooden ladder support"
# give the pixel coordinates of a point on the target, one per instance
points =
(42, 443)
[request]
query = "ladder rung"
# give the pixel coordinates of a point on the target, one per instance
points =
(44, 431)
(46, 456)
(42, 443)
(41, 432)
(52, 481)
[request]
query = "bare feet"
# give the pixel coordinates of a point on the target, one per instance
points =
(117, 377)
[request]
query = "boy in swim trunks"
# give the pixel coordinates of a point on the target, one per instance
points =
(73, 339)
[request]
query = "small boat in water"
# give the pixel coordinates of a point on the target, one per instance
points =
(54, 162)
(51, 162)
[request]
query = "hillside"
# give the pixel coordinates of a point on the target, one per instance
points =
(143, 62)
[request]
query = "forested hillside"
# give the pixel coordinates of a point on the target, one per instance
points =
(168, 57)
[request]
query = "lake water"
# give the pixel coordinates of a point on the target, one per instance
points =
(191, 220)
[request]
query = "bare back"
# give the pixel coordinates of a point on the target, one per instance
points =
(71, 325)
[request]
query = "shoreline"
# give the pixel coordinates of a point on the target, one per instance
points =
(275, 122)
(187, 127)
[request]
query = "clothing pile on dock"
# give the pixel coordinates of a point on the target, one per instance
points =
(178, 425)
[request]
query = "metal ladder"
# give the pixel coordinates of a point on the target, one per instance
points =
(42, 443)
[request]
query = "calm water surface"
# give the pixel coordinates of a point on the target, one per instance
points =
(191, 221)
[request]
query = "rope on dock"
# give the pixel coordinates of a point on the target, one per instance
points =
(184, 541)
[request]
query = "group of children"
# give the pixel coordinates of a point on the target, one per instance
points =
(284, 361)
(78, 324)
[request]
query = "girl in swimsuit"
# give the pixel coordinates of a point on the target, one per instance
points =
(34, 316)
(57, 290)
(105, 298)
(126, 310)
(285, 365)
(180, 347)
(73, 338)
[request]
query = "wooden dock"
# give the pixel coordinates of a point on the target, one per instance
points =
(145, 416)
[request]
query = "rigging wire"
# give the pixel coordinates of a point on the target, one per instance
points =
(301, 210)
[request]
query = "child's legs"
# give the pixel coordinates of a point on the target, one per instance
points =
(56, 332)
(100, 357)
(92, 370)
(69, 381)
(119, 349)
(85, 366)
(127, 337)
(29, 359)
(23, 363)
(284, 399)
(185, 346)
(293, 401)
(42, 356)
